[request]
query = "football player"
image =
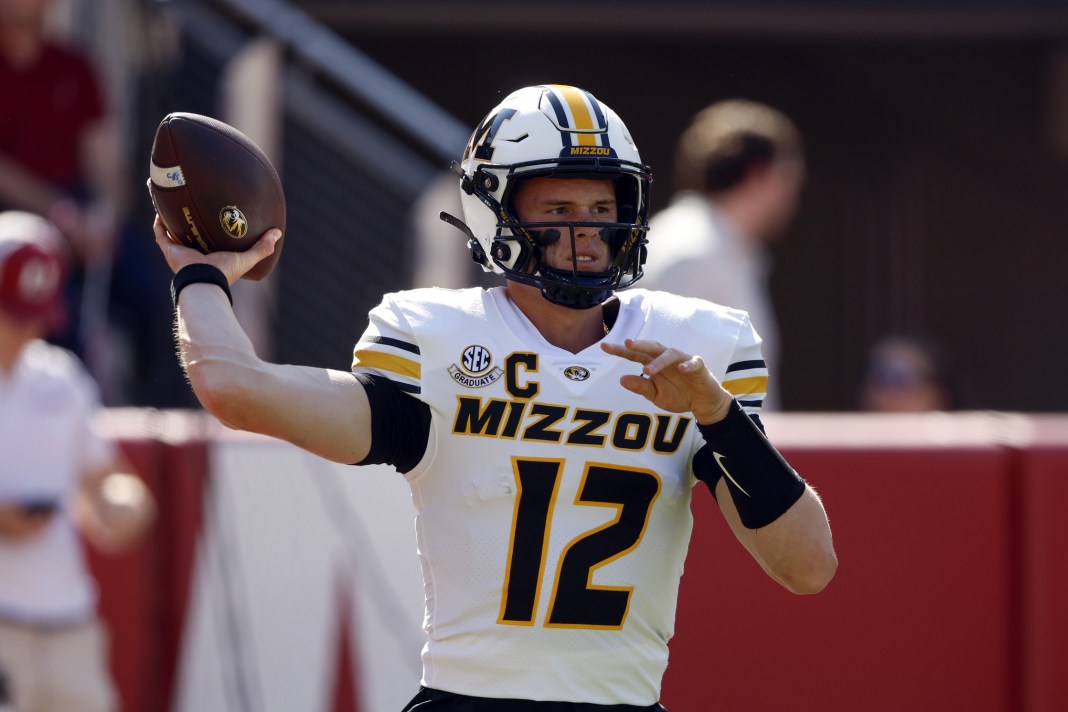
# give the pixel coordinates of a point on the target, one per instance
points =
(551, 429)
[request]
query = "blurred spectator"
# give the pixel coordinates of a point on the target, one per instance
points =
(58, 478)
(739, 169)
(906, 375)
(61, 157)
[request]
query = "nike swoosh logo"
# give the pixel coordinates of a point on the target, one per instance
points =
(719, 461)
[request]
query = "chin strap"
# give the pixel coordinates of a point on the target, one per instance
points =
(477, 253)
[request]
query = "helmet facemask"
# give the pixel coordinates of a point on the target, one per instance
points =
(568, 284)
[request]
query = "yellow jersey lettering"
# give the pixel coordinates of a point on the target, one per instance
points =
(589, 422)
(542, 429)
(472, 418)
(631, 431)
(512, 364)
(531, 421)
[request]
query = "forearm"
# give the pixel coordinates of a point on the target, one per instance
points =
(796, 549)
(219, 360)
(775, 514)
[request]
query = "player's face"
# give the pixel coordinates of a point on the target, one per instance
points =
(571, 200)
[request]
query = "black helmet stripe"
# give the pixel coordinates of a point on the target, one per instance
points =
(561, 116)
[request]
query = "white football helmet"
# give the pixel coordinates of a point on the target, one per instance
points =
(552, 131)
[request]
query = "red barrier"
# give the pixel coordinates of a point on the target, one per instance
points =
(144, 592)
(920, 615)
(128, 596)
(950, 593)
(1045, 564)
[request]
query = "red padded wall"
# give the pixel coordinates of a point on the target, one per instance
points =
(128, 596)
(950, 595)
(920, 615)
(1045, 556)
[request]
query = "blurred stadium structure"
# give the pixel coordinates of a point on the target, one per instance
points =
(354, 145)
(357, 146)
(938, 137)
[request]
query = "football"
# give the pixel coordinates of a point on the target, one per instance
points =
(214, 188)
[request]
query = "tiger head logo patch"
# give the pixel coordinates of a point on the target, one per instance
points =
(233, 221)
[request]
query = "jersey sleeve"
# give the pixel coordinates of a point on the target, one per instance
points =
(746, 377)
(387, 362)
(98, 449)
(388, 348)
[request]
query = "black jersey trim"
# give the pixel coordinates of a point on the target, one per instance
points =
(390, 341)
(746, 365)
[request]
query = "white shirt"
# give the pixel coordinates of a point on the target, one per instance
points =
(553, 505)
(698, 251)
(47, 444)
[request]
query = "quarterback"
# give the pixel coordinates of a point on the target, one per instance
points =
(551, 429)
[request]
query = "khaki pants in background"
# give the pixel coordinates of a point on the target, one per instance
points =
(60, 669)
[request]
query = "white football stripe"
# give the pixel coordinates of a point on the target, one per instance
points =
(166, 177)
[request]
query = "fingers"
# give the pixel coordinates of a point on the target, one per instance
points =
(242, 262)
(652, 355)
(233, 264)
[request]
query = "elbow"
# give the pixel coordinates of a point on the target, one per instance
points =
(814, 577)
(221, 392)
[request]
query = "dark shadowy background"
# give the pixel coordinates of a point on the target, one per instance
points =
(937, 142)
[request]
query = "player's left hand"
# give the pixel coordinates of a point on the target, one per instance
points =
(233, 264)
(672, 380)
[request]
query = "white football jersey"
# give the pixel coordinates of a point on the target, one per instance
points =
(553, 505)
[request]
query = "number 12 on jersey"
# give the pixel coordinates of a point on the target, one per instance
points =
(575, 602)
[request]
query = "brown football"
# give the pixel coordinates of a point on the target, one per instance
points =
(214, 188)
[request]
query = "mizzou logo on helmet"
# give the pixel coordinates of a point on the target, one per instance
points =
(233, 221)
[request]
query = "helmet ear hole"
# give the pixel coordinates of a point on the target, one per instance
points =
(490, 182)
(501, 252)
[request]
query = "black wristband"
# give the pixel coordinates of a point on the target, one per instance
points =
(762, 485)
(197, 273)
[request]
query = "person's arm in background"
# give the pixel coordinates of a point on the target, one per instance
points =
(90, 229)
(107, 175)
(113, 508)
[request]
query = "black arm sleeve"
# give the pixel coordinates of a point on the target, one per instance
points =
(400, 424)
(762, 484)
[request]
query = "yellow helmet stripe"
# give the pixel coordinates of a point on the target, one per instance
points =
(580, 112)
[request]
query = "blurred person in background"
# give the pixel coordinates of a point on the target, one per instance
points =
(905, 374)
(739, 170)
(58, 478)
(61, 157)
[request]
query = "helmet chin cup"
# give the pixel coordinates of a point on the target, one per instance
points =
(561, 132)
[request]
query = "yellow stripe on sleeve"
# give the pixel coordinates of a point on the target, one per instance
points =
(745, 386)
(387, 362)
